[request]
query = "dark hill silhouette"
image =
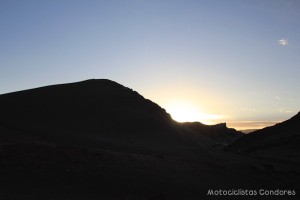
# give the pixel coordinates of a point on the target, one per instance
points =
(99, 113)
(93, 104)
(280, 141)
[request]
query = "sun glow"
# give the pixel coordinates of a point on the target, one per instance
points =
(186, 112)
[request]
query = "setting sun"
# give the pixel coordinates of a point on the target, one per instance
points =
(186, 112)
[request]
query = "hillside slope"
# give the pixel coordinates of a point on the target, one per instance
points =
(280, 141)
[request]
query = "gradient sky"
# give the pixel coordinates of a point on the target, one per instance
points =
(234, 61)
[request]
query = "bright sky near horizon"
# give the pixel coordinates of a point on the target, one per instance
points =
(209, 60)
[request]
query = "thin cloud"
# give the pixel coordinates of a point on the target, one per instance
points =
(283, 110)
(283, 42)
(243, 125)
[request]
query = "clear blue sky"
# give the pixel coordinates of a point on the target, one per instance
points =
(218, 58)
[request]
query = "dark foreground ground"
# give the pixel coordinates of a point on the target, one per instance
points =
(45, 171)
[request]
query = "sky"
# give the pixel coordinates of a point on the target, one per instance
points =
(213, 61)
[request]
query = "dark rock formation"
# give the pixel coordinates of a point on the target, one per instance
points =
(219, 132)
